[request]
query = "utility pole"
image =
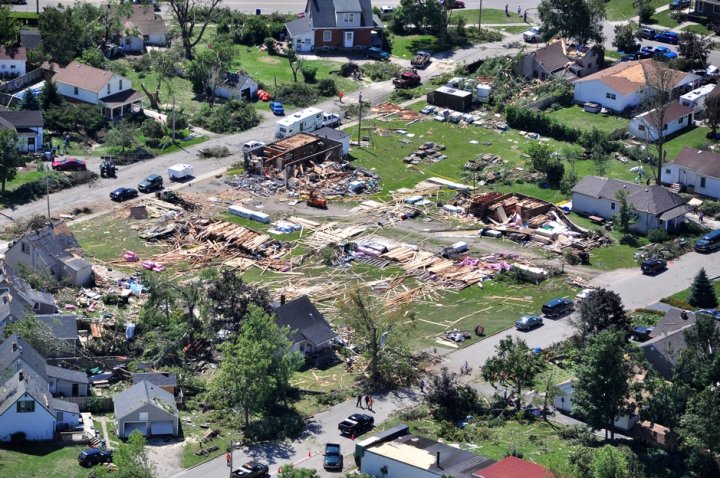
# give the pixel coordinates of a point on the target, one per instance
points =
(360, 120)
(47, 194)
(639, 4)
(480, 16)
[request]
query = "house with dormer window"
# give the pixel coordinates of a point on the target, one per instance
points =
(335, 24)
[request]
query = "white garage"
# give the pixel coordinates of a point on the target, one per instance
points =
(163, 428)
(147, 408)
(133, 426)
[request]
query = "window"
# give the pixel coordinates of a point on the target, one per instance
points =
(349, 17)
(77, 91)
(120, 85)
(59, 416)
(610, 96)
(702, 182)
(108, 88)
(12, 67)
(667, 170)
(681, 120)
(641, 127)
(327, 36)
(24, 247)
(665, 127)
(612, 206)
(143, 416)
(26, 406)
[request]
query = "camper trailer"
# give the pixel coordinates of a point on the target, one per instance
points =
(306, 120)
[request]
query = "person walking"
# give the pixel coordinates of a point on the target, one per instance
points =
(525, 16)
(370, 404)
(519, 11)
(507, 12)
(359, 401)
(367, 401)
(701, 216)
(422, 385)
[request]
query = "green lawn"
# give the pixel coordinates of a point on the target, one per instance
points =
(612, 257)
(23, 177)
(579, 118)
(41, 460)
(684, 295)
(624, 10)
(514, 29)
(692, 137)
(612, 54)
(405, 46)
(664, 19)
(699, 29)
(490, 16)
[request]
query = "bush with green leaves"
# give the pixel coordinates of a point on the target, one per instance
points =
(270, 46)
(710, 208)
(658, 236)
(528, 120)
(298, 94)
(327, 87)
(229, 117)
(380, 70)
(309, 73)
(152, 129)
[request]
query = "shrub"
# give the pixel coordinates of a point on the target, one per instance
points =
(298, 94)
(646, 13)
(270, 46)
(400, 95)
(347, 69)
(229, 117)
(309, 73)
(710, 208)
(181, 121)
(657, 235)
(152, 129)
(555, 172)
(380, 70)
(528, 120)
(327, 87)
(680, 304)
(56, 182)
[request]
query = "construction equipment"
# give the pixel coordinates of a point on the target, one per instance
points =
(174, 198)
(317, 200)
(108, 168)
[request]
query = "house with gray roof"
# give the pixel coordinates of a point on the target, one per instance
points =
(14, 288)
(655, 206)
(238, 86)
(142, 27)
(28, 125)
(165, 380)
(146, 408)
(558, 59)
(52, 251)
(65, 332)
(335, 24)
(695, 170)
(309, 331)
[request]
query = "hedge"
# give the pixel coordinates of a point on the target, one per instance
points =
(529, 120)
(56, 182)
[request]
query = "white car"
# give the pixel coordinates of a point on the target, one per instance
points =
(583, 294)
(251, 146)
(533, 35)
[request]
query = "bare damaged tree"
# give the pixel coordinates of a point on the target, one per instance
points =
(661, 81)
(185, 13)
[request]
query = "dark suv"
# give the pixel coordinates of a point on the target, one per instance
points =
(557, 307)
(93, 456)
(150, 183)
(653, 265)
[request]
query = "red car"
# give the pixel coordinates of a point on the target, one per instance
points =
(69, 164)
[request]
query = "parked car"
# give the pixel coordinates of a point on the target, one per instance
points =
(251, 469)
(277, 108)
(646, 52)
(641, 333)
(664, 53)
(653, 265)
(93, 456)
(252, 146)
(709, 242)
(69, 164)
(668, 37)
(421, 59)
(714, 313)
(151, 183)
(333, 458)
(584, 294)
(533, 35)
(429, 109)
(331, 120)
(557, 307)
(648, 33)
(377, 54)
(528, 322)
(356, 424)
(630, 56)
(679, 4)
(123, 194)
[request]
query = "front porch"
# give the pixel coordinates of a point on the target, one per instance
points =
(120, 104)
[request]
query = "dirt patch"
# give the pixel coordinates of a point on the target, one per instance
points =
(270, 60)
(166, 456)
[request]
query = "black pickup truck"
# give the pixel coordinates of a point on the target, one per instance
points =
(356, 424)
(251, 469)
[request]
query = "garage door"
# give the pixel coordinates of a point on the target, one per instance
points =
(132, 426)
(162, 428)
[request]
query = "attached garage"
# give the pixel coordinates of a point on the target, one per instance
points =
(147, 408)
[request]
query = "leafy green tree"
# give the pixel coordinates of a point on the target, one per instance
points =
(380, 334)
(601, 310)
(206, 69)
(602, 387)
(666, 402)
(538, 156)
(712, 112)
(10, 157)
(448, 398)
(577, 20)
(50, 96)
(702, 292)
(625, 38)
(626, 215)
(609, 462)
(63, 35)
(93, 57)
(309, 73)
(554, 172)
(121, 135)
(151, 128)
(186, 15)
(131, 459)
(38, 334)
(228, 117)
(230, 297)
(600, 159)
(698, 427)
(699, 362)
(9, 28)
(695, 48)
(29, 101)
(427, 16)
(514, 365)
(295, 63)
(256, 367)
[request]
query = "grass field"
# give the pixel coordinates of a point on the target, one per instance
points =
(41, 460)
(692, 137)
(663, 19)
(684, 295)
(405, 46)
(699, 29)
(490, 16)
(624, 10)
(579, 118)
(613, 257)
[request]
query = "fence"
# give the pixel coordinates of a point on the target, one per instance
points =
(22, 81)
(105, 404)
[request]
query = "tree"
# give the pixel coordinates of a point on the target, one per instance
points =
(121, 135)
(600, 159)
(577, 20)
(380, 334)
(609, 462)
(38, 334)
(131, 458)
(599, 311)
(554, 172)
(661, 80)
(67, 31)
(256, 367)
(712, 112)
(9, 28)
(29, 101)
(538, 156)
(666, 402)
(626, 215)
(602, 387)
(702, 292)
(427, 16)
(699, 362)
(295, 63)
(514, 365)
(10, 157)
(625, 38)
(186, 14)
(698, 427)
(448, 398)
(93, 57)
(230, 297)
(50, 96)
(205, 69)
(695, 48)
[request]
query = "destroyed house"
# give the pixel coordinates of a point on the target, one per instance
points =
(299, 150)
(15, 289)
(166, 381)
(557, 59)
(310, 332)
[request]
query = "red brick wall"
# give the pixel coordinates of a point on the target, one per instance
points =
(362, 37)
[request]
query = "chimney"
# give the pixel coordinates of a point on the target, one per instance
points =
(282, 299)
(14, 347)
(437, 460)
(21, 376)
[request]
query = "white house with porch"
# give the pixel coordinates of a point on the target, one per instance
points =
(695, 170)
(88, 84)
(28, 125)
(646, 126)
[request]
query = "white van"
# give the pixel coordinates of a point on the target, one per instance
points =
(252, 146)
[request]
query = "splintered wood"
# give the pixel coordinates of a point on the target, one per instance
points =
(332, 234)
(428, 266)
